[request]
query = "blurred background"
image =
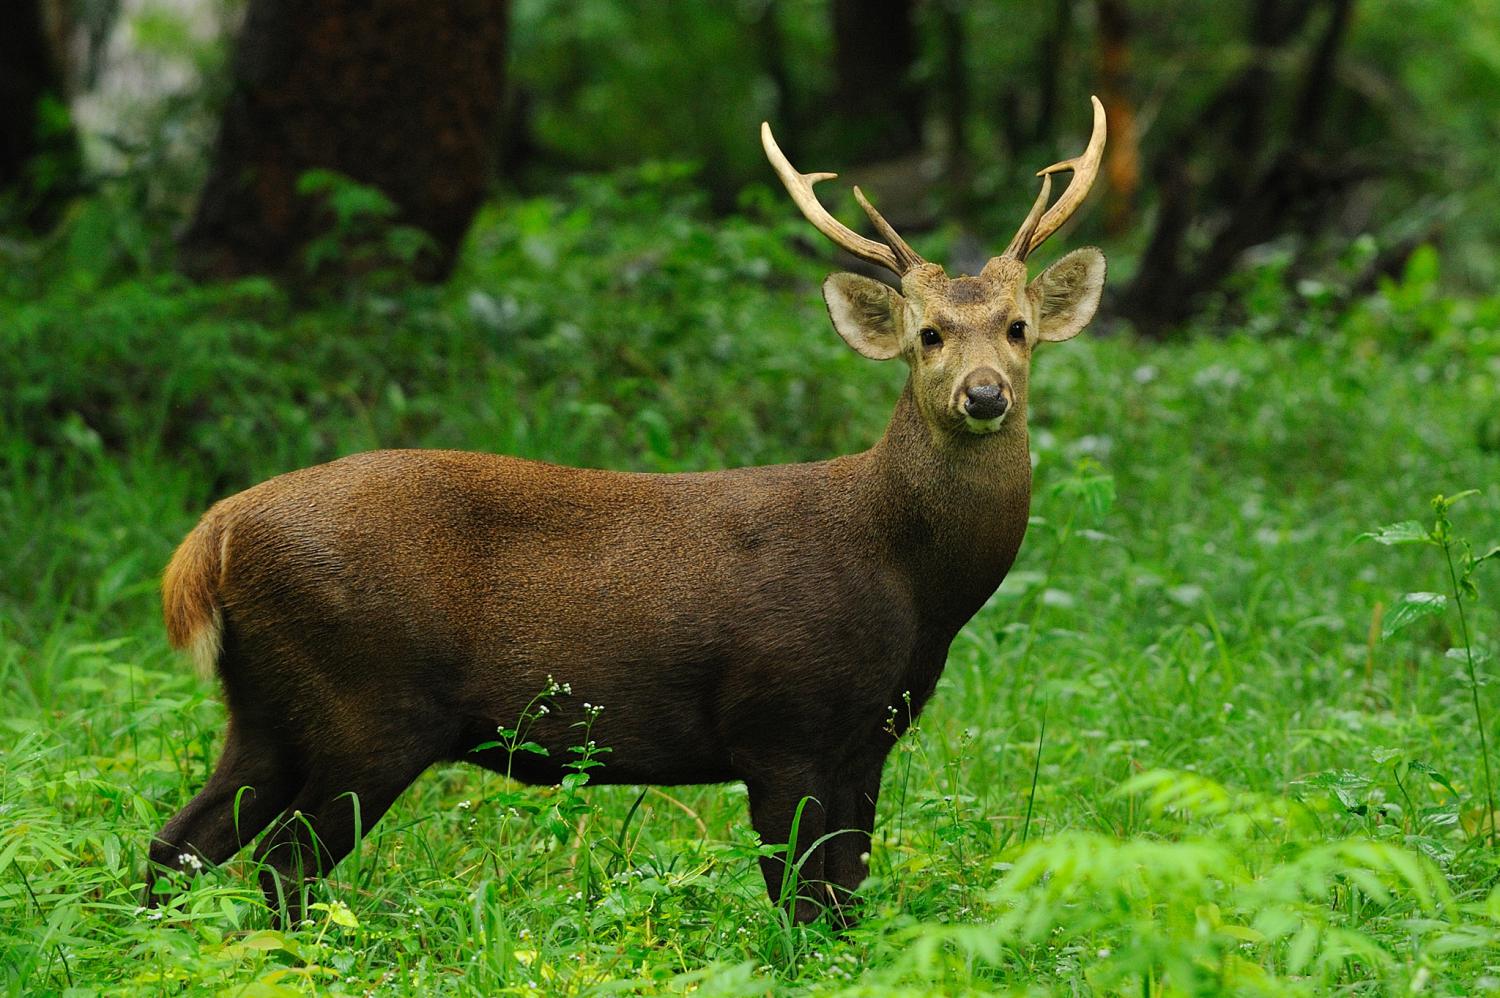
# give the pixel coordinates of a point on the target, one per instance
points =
(1299, 143)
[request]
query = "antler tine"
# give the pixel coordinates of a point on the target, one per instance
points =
(1085, 169)
(1017, 249)
(905, 255)
(800, 187)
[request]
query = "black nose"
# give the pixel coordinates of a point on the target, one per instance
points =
(985, 402)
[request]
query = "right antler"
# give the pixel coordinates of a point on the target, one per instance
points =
(894, 254)
(1085, 167)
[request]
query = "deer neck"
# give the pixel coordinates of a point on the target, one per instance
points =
(953, 508)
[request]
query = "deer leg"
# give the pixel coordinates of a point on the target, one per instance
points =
(852, 818)
(325, 822)
(774, 804)
(250, 785)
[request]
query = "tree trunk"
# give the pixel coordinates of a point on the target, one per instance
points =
(956, 106)
(1053, 59)
(875, 46)
(402, 95)
(1122, 163)
(1251, 182)
(40, 162)
(772, 44)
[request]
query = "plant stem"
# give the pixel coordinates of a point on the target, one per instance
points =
(1036, 770)
(1484, 750)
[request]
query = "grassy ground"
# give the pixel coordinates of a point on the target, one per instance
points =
(1172, 756)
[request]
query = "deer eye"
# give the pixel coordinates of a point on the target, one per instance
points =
(930, 337)
(1017, 331)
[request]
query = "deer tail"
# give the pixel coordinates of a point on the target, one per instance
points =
(189, 595)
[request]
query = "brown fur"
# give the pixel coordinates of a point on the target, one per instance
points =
(393, 609)
(189, 602)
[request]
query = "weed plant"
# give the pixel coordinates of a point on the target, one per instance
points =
(1173, 755)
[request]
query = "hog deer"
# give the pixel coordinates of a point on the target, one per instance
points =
(378, 614)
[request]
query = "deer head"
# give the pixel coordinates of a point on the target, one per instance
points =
(968, 340)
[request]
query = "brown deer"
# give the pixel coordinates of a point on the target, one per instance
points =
(386, 611)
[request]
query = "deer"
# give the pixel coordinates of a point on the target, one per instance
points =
(387, 611)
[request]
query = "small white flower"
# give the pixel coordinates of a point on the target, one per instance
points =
(187, 859)
(464, 805)
(1103, 954)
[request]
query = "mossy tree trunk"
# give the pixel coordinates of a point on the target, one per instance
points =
(402, 95)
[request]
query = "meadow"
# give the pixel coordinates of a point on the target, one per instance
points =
(1177, 753)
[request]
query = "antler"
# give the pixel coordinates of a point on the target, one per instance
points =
(1019, 244)
(894, 255)
(1085, 169)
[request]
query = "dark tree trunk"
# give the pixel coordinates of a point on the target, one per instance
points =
(402, 95)
(956, 105)
(40, 162)
(1122, 163)
(1052, 61)
(772, 43)
(1256, 182)
(875, 46)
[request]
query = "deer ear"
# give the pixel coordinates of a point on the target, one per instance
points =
(866, 313)
(1067, 293)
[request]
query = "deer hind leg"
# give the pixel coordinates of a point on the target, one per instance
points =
(252, 782)
(775, 800)
(340, 803)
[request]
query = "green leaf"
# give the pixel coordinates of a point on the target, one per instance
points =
(1445, 503)
(1093, 491)
(339, 914)
(1414, 766)
(1411, 608)
(1462, 655)
(1405, 532)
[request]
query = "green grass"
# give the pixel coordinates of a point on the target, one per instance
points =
(1240, 787)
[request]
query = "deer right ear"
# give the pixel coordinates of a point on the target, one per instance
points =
(866, 313)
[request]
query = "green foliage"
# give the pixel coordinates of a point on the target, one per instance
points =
(362, 237)
(1239, 787)
(1412, 607)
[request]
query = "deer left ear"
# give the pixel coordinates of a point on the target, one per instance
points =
(1066, 294)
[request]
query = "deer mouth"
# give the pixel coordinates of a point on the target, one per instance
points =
(981, 427)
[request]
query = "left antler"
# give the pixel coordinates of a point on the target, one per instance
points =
(1034, 231)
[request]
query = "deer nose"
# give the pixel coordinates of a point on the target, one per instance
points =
(985, 402)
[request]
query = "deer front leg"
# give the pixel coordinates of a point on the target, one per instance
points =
(775, 800)
(851, 818)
